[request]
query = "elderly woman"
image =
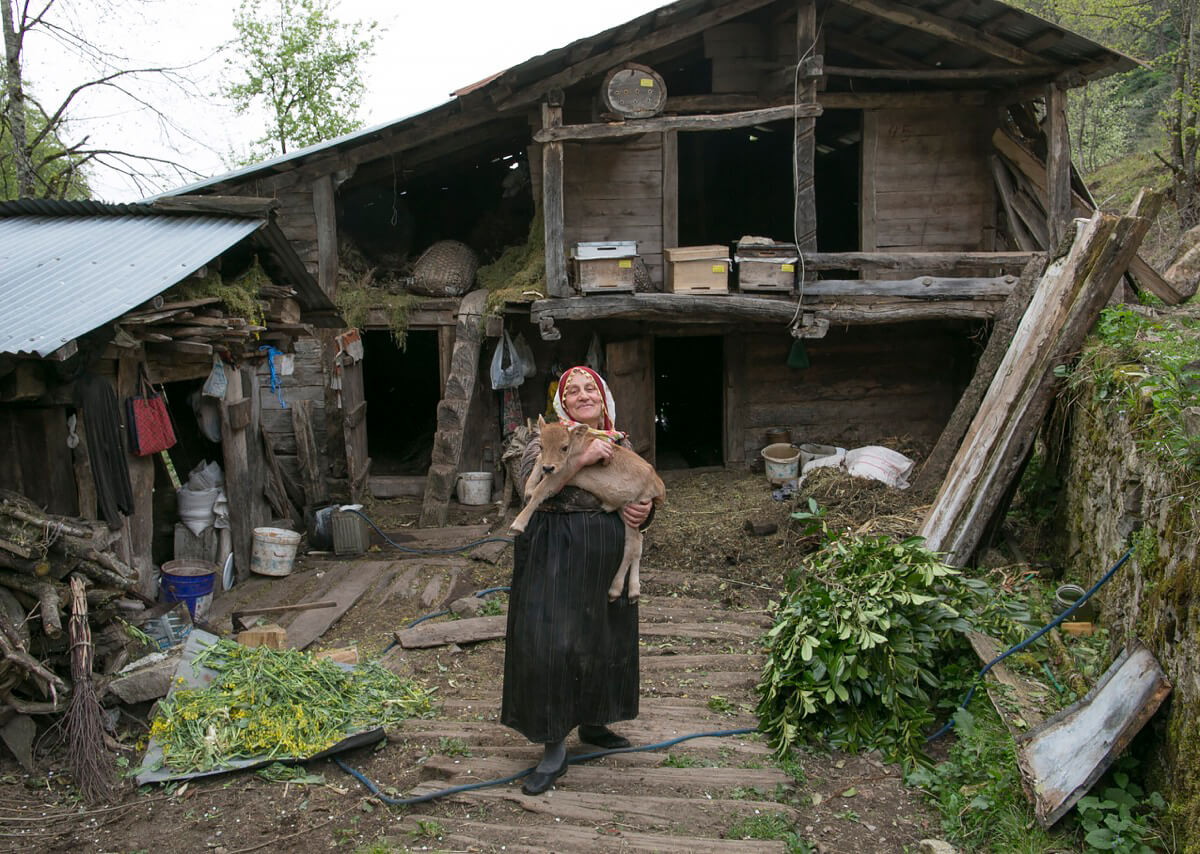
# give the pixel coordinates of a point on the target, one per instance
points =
(571, 657)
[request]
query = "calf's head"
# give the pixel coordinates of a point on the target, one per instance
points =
(561, 444)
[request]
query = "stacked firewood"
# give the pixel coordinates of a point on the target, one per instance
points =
(39, 556)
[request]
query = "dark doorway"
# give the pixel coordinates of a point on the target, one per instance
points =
(402, 388)
(688, 402)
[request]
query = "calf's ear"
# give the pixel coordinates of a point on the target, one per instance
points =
(541, 421)
(577, 429)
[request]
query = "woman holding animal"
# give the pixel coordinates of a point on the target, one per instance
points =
(571, 656)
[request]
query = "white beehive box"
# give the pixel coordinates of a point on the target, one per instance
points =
(604, 267)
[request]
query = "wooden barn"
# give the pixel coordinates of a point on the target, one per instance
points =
(103, 303)
(757, 214)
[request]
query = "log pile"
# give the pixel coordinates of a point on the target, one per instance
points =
(40, 556)
(202, 326)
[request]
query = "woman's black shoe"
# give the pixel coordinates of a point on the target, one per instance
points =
(539, 781)
(602, 736)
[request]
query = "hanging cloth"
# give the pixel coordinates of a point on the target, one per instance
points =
(106, 452)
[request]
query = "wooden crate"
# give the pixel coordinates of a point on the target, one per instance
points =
(697, 269)
(604, 268)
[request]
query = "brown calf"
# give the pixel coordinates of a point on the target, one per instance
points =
(624, 479)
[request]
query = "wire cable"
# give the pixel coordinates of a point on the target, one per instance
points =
(571, 760)
(1023, 644)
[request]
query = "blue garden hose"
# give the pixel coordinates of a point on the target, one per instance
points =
(483, 784)
(1023, 644)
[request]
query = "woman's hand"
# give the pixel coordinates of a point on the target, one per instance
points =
(635, 514)
(599, 451)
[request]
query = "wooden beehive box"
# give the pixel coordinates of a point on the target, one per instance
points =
(766, 267)
(605, 267)
(697, 269)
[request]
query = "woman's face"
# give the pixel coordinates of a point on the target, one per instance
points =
(583, 400)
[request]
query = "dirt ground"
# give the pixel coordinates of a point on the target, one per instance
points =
(700, 560)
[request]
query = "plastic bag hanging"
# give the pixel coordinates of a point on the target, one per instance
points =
(595, 355)
(276, 387)
(217, 382)
(526, 354)
(507, 369)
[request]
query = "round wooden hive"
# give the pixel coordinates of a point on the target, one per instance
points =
(445, 269)
(633, 91)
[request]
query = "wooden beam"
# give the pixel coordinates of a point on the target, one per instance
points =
(740, 308)
(670, 188)
(660, 124)
(871, 51)
(1058, 166)
(941, 73)
(804, 212)
(952, 31)
(602, 62)
(238, 485)
(868, 230)
(923, 262)
(239, 205)
(325, 210)
(1004, 186)
(735, 399)
(552, 205)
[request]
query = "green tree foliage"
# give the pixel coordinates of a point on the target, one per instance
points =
(296, 59)
(58, 172)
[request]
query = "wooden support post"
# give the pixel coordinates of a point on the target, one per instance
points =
(316, 492)
(552, 203)
(1058, 165)
(260, 510)
(805, 216)
(139, 526)
(1005, 187)
(735, 400)
(670, 188)
(325, 209)
(85, 480)
(237, 478)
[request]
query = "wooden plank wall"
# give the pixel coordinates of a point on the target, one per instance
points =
(613, 191)
(864, 384)
(926, 181)
(298, 222)
(307, 382)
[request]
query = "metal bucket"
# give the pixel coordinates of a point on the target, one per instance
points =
(474, 487)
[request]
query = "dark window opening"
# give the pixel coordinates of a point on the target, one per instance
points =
(402, 389)
(739, 182)
(689, 404)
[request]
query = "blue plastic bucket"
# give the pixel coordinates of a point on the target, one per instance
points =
(190, 582)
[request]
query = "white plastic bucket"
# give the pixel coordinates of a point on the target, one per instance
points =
(783, 462)
(474, 487)
(274, 550)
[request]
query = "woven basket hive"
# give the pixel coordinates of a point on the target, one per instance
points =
(445, 269)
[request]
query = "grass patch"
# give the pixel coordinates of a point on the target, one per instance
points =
(683, 760)
(773, 827)
(449, 746)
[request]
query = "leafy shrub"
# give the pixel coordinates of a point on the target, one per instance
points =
(1121, 820)
(853, 650)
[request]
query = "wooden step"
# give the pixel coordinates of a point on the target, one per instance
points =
(456, 771)
(719, 631)
(466, 834)
(717, 661)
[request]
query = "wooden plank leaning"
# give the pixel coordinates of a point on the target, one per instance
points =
(1064, 307)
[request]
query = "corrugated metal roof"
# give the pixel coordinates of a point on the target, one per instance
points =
(62, 276)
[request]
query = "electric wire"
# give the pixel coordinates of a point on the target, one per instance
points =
(571, 760)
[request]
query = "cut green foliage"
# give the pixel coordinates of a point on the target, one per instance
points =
(239, 296)
(267, 703)
(852, 652)
(519, 274)
(277, 772)
(355, 303)
(720, 705)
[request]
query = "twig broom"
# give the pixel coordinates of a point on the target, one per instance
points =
(90, 761)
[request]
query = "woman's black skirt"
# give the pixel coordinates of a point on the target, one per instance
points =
(570, 657)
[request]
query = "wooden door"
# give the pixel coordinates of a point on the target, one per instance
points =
(354, 422)
(630, 374)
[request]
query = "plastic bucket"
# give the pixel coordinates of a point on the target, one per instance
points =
(1067, 595)
(274, 550)
(474, 487)
(190, 582)
(783, 462)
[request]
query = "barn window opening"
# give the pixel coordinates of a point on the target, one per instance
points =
(402, 388)
(689, 404)
(734, 183)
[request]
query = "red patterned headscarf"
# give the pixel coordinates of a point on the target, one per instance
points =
(609, 420)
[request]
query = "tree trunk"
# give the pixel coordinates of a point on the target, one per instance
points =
(14, 109)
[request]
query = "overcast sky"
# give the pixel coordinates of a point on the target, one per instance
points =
(425, 51)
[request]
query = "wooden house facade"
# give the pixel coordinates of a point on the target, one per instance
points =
(914, 153)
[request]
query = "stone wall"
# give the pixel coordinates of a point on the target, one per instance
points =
(1116, 496)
